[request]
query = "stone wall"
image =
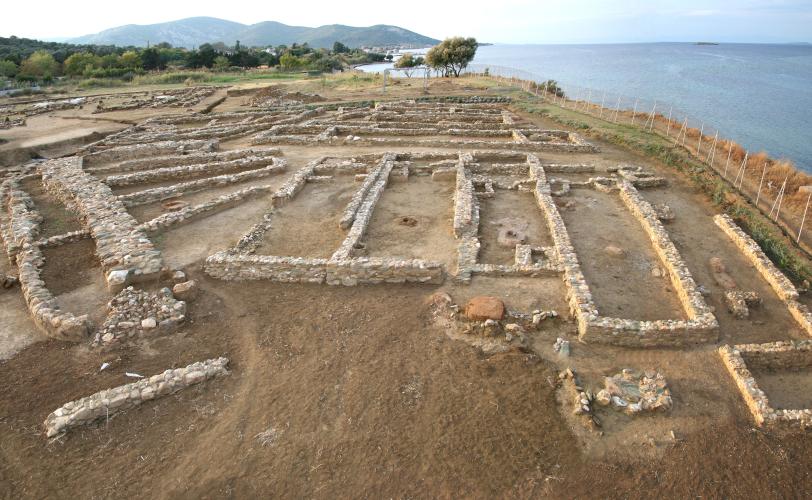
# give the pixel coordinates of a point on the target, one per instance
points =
(188, 171)
(124, 251)
(384, 167)
(20, 236)
(782, 285)
(121, 153)
(165, 192)
(365, 270)
(692, 301)
(104, 404)
(778, 281)
(364, 212)
(347, 272)
(186, 214)
(241, 267)
(701, 325)
(786, 355)
(777, 355)
(560, 147)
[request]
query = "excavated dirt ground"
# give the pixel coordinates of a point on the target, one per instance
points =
(364, 395)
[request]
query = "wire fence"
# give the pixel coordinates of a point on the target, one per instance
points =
(779, 190)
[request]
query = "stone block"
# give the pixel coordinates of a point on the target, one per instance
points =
(482, 308)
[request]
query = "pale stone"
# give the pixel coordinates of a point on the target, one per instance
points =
(186, 290)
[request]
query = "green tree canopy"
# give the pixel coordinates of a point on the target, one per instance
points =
(151, 59)
(130, 59)
(288, 61)
(408, 62)
(452, 55)
(8, 68)
(76, 64)
(41, 65)
(221, 63)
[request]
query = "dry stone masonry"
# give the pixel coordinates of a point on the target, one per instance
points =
(125, 252)
(19, 228)
(740, 360)
(782, 286)
(105, 404)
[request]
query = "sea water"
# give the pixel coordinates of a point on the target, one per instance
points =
(759, 95)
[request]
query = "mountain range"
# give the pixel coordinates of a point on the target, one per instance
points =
(194, 31)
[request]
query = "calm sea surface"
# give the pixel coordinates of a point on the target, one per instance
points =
(758, 95)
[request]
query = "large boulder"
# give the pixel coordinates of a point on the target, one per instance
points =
(483, 308)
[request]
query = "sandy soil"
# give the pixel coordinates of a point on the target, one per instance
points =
(498, 212)
(307, 226)
(402, 228)
(789, 390)
(622, 285)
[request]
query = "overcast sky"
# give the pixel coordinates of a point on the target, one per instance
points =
(505, 21)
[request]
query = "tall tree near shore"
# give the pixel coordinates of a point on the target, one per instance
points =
(408, 63)
(452, 55)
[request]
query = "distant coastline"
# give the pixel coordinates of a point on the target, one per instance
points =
(698, 81)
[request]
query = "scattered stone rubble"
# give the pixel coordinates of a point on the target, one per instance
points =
(105, 404)
(562, 347)
(739, 302)
(633, 392)
(581, 400)
(133, 313)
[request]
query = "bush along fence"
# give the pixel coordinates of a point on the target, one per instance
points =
(776, 187)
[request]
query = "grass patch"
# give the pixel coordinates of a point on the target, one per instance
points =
(95, 83)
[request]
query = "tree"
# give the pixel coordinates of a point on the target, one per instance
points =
(129, 60)
(408, 62)
(8, 68)
(109, 61)
(77, 63)
(206, 54)
(340, 48)
(288, 61)
(452, 55)
(41, 65)
(221, 63)
(151, 59)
